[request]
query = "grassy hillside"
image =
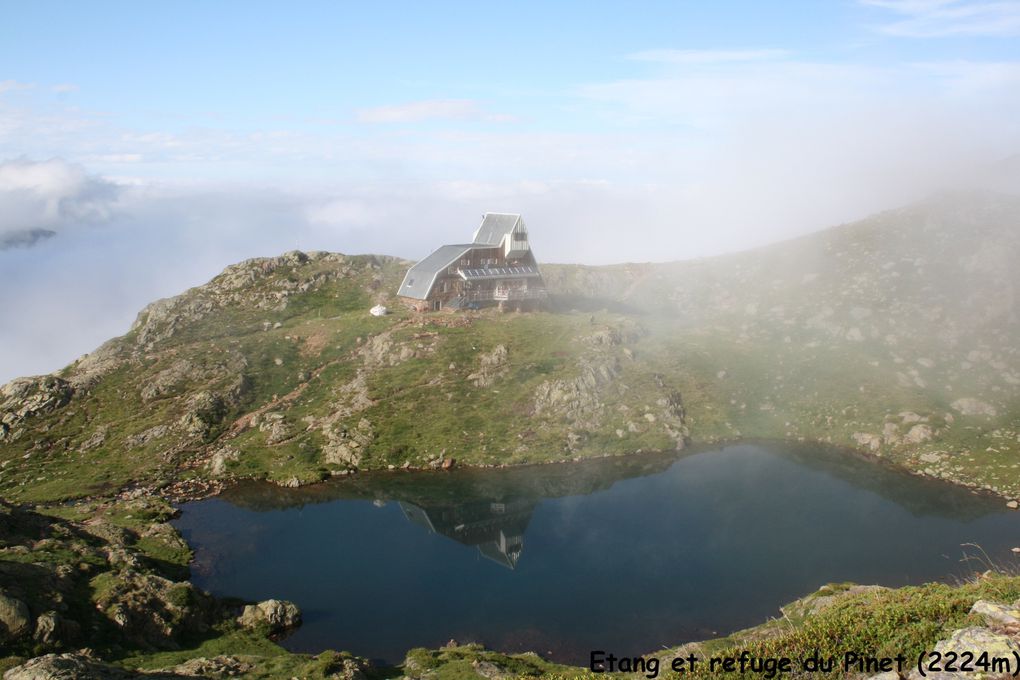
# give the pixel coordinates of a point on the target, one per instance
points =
(897, 335)
(275, 369)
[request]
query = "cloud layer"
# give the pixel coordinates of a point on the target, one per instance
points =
(41, 198)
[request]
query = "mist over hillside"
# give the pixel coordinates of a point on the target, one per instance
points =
(896, 335)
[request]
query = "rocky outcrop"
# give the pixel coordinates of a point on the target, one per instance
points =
(92, 578)
(577, 399)
(150, 610)
(204, 409)
(345, 446)
(221, 458)
(491, 366)
(70, 667)
(278, 616)
(23, 398)
(969, 406)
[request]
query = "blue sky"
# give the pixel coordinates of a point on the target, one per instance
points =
(187, 135)
(141, 76)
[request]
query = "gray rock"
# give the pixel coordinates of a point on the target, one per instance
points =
(969, 406)
(918, 434)
(977, 641)
(74, 667)
(46, 628)
(220, 459)
(277, 615)
(15, 619)
(24, 398)
(867, 440)
(996, 614)
(217, 666)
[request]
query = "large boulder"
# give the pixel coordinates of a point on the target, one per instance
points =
(15, 619)
(277, 615)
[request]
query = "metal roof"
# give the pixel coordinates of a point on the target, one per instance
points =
(419, 279)
(494, 227)
(498, 273)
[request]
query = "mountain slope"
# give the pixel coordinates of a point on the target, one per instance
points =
(896, 335)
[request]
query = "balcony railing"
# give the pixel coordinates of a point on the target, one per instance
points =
(504, 294)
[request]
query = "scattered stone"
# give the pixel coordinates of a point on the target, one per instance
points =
(1013, 505)
(218, 666)
(448, 463)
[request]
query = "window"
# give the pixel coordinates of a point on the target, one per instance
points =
(520, 236)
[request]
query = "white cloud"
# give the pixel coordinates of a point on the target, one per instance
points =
(433, 109)
(945, 18)
(37, 197)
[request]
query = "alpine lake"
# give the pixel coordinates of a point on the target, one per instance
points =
(626, 554)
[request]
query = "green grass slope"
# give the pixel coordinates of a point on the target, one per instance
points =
(897, 335)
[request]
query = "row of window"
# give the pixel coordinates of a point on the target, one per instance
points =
(482, 262)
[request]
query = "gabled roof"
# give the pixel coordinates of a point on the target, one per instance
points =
(419, 279)
(494, 227)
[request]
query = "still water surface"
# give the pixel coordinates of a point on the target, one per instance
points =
(623, 554)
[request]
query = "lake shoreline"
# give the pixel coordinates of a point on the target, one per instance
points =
(187, 490)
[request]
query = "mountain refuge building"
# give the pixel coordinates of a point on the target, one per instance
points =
(498, 267)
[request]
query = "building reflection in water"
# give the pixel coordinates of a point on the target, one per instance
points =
(495, 528)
